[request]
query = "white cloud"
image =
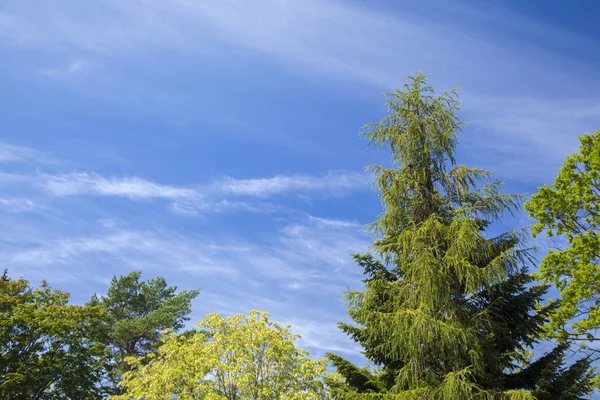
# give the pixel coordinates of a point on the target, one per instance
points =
(198, 206)
(11, 153)
(78, 184)
(305, 252)
(319, 243)
(222, 195)
(329, 183)
(148, 250)
(335, 222)
(206, 198)
(18, 205)
(527, 138)
(334, 37)
(324, 336)
(74, 67)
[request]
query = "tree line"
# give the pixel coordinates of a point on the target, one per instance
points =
(447, 310)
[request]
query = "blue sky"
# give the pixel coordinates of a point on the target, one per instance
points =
(216, 143)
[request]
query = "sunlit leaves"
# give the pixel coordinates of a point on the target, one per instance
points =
(571, 208)
(238, 357)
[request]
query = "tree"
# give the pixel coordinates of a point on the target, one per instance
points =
(136, 313)
(234, 358)
(445, 313)
(45, 352)
(547, 378)
(570, 209)
(516, 329)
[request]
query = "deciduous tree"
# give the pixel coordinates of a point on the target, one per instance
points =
(45, 350)
(234, 358)
(570, 209)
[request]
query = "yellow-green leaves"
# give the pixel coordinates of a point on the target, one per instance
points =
(571, 208)
(238, 357)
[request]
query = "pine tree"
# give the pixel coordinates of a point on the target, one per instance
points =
(446, 312)
(136, 313)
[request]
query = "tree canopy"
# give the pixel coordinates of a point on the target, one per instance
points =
(135, 314)
(235, 358)
(45, 350)
(570, 209)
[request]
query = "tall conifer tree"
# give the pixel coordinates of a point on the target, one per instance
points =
(446, 313)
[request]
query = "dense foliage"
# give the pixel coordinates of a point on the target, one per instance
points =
(235, 358)
(570, 209)
(45, 350)
(135, 314)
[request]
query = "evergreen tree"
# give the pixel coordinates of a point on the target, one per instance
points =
(136, 312)
(446, 312)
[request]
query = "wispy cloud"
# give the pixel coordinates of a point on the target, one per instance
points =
(217, 196)
(329, 183)
(197, 206)
(328, 36)
(224, 194)
(324, 242)
(300, 251)
(148, 250)
(74, 67)
(78, 184)
(10, 153)
(335, 222)
(510, 132)
(18, 205)
(324, 336)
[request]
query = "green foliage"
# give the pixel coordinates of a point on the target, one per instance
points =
(551, 379)
(433, 316)
(135, 314)
(236, 358)
(45, 352)
(570, 209)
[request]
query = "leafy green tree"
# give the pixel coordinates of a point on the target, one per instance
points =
(45, 350)
(570, 209)
(445, 313)
(234, 358)
(136, 312)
